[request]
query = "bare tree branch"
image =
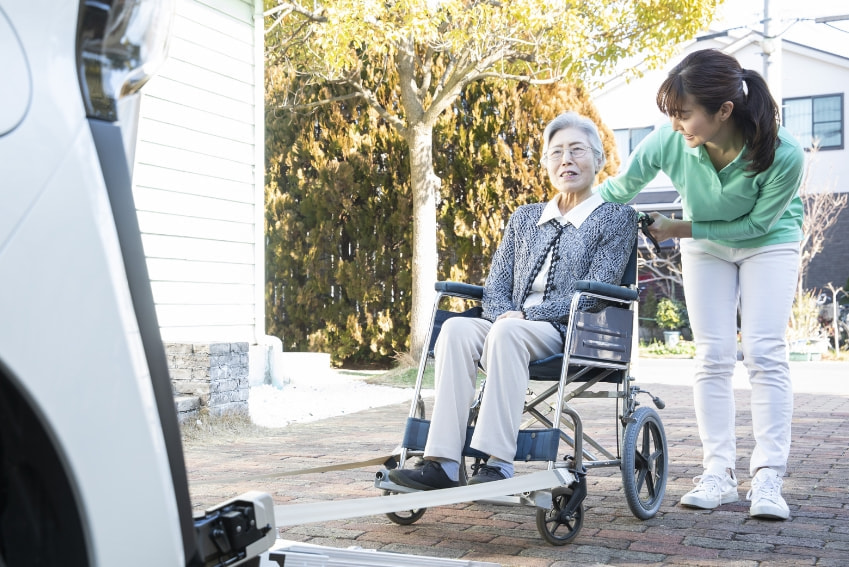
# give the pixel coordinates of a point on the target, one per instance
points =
(665, 270)
(323, 102)
(288, 8)
(822, 207)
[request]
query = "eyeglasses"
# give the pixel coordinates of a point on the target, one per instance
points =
(556, 154)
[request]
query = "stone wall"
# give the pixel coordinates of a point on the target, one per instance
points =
(217, 374)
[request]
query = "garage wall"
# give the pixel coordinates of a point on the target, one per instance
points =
(198, 176)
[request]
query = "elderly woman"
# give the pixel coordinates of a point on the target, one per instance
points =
(546, 247)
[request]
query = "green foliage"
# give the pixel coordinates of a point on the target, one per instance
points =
(539, 39)
(338, 210)
(669, 315)
(656, 349)
(337, 232)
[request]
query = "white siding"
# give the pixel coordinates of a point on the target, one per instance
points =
(198, 175)
(808, 72)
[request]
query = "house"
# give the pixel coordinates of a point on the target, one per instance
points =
(198, 185)
(812, 83)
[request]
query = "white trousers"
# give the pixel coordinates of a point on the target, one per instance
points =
(763, 282)
(504, 349)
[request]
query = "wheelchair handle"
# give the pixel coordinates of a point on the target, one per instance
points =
(459, 289)
(645, 221)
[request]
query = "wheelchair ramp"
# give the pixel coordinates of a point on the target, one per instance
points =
(312, 512)
(297, 554)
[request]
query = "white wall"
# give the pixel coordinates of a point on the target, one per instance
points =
(807, 73)
(198, 175)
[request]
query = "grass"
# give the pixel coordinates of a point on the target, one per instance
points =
(403, 376)
(842, 356)
(208, 429)
(687, 349)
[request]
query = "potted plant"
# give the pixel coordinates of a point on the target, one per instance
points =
(669, 317)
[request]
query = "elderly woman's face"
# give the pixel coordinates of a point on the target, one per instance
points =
(570, 161)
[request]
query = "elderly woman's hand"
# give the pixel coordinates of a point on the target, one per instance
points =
(511, 314)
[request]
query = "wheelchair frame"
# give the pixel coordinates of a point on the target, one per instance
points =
(594, 353)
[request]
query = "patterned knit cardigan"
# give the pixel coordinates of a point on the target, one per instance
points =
(599, 251)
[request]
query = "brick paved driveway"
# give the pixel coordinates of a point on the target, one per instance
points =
(815, 488)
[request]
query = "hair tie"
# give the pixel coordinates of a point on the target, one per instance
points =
(744, 83)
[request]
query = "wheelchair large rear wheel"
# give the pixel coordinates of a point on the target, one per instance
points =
(644, 463)
(554, 525)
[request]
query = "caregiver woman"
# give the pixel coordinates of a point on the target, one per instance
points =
(738, 173)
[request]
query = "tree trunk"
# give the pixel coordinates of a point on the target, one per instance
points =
(425, 185)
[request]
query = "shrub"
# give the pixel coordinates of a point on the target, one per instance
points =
(804, 328)
(655, 349)
(669, 314)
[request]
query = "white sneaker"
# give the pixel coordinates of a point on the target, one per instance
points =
(766, 498)
(711, 491)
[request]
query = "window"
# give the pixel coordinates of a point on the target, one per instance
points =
(628, 138)
(816, 120)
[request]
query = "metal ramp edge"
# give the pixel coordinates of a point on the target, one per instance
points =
(297, 554)
(312, 512)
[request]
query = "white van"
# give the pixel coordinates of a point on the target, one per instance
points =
(91, 462)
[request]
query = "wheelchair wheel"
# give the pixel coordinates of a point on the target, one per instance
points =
(406, 517)
(644, 463)
(556, 527)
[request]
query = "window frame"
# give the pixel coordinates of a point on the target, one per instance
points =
(808, 144)
(631, 131)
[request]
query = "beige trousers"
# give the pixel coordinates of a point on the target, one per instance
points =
(504, 350)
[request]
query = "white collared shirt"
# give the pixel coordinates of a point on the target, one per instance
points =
(576, 216)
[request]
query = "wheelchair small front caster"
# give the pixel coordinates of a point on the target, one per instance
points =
(406, 517)
(561, 524)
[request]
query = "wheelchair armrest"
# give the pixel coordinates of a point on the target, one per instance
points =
(460, 289)
(608, 290)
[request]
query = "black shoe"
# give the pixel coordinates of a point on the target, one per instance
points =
(429, 476)
(487, 473)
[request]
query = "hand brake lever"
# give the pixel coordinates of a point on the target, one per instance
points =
(645, 222)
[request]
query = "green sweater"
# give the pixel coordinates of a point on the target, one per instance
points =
(729, 207)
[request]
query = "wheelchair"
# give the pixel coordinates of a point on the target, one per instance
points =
(595, 363)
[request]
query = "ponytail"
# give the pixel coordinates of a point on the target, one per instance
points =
(759, 121)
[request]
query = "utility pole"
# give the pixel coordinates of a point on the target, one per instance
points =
(771, 48)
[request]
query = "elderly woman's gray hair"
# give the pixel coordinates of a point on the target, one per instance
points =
(579, 122)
